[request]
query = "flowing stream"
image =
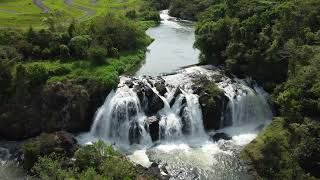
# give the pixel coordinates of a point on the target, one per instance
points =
(159, 118)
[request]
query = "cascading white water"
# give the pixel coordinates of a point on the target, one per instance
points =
(177, 125)
(246, 105)
(174, 134)
(122, 119)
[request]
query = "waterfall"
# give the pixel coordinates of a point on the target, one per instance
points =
(246, 105)
(147, 109)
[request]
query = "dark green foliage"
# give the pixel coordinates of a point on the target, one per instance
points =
(94, 155)
(6, 77)
(160, 4)
(151, 16)
(249, 37)
(286, 151)
(300, 95)
(111, 31)
(97, 161)
(132, 14)
(188, 9)
(97, 55)
(79, 46)
(64, 51)
(215, 94)
(276, 43)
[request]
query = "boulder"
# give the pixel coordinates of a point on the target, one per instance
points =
(176, 94)
(152, 172)
(218, 136)
(151, 101)
(213, 103)
(60, 142)
(154, 129)
(129, 83)
(213, 111)
(161, 87)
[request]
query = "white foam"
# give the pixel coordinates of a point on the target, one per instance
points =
(140, 157)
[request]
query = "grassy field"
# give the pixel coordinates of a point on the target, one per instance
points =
(23, 13)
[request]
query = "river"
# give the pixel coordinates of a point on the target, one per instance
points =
(172, 48)
(122, 119)
(186, 152)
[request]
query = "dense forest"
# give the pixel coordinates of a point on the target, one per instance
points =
(54, 77)
(276, 43)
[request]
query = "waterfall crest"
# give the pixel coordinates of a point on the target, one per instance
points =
(147, 109)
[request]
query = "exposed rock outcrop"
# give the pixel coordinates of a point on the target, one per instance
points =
(219, 136)
(213, 103)
(150, 101)
(58, 142)
(54, 107)
(154, 129)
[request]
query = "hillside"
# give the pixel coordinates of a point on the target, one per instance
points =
(277, 44)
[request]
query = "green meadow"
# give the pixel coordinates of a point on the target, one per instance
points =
(24, 13)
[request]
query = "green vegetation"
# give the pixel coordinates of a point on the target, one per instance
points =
(277, 43)
(22, 13)
(188, 9)
(97, 161)
(286, 151)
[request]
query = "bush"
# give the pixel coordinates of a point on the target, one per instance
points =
(31, 152)
(114, 52)
(9, 53)
(36, 74)
(49, 167)
(45, 53)
(97, 55)
(150, 15)
(132, 14)
(64, 51)
(79, 45)
(112, 31)
(93, 155)
(93, 162)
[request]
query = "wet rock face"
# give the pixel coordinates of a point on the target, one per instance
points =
(66, 105)
(135, 133)
(218, 136)
(58, 106)
(176, 94)
(213, 103)
(154, 128)
(161, 87)
(150, 101)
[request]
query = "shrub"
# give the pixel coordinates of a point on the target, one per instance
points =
(45, 53)
(151, 16)
(114, 52)
(93, 155)
(132, 14)
(97, 55)
(116, 167)
(9, 53)
(49, 167)
(31, 152)
(79, 45)
(36, 74)
(64, 51)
